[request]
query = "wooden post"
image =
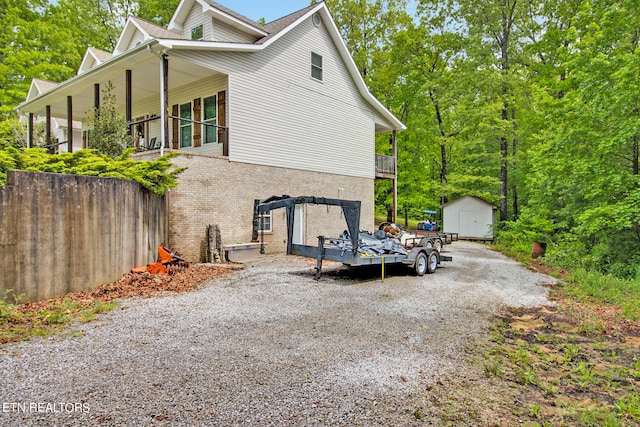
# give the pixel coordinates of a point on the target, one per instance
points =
(164, 103)
(69, 124)
(30, 131)
(394, 146)
(48, 124)
(96, 95)
(128, 100)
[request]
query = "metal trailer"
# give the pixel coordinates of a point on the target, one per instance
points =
(423, 252)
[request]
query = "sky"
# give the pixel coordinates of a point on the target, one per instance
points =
(270, 10)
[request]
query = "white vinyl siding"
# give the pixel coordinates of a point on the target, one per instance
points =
(136, 39)
(226, 33)
(278, 116)
(196, 18)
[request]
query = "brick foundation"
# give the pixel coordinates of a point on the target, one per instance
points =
(215, 191)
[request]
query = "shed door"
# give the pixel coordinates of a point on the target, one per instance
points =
(468, 222)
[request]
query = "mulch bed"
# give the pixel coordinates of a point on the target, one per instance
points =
(138, 285)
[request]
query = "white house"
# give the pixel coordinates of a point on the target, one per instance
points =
(256, 111)
(469, 217)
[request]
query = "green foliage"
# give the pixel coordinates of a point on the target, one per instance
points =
(8, 133)
(591, 285)
(557, 81)
(155, 175)
(109, 132)
(20, 322)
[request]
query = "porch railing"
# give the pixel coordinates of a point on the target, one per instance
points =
(385, 166)
(154, 143)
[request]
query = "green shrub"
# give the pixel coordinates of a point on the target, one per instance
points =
(156, 175)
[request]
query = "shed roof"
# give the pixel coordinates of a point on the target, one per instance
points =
(460, 199)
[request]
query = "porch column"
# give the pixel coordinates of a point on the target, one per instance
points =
(69, 124)
(47, 134)
(96, 104)
(128, 100)
(394, 146)
(96, 95)
(30, 131)
(164, 102)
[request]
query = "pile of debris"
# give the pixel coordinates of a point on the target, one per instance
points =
(383, 241)
(147, 284)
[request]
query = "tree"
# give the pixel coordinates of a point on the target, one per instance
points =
(31, 45)
(495, 45)
(366, 27)
(109, 132)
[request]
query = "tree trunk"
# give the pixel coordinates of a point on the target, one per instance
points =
(514, 147)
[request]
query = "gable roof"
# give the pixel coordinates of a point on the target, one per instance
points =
(149, 31)
(155, 38)
(273, 31)
(217, 11)
(281, 24)
(92, 58)
(39, 86)
(460, 199)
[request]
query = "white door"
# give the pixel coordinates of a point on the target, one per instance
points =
(468, 222)
(298, 225)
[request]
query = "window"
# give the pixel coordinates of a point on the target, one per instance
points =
(316, 66)
(186, 128)
(197, 33)
(265, 222)
(210, 117)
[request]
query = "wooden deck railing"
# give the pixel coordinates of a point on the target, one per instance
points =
(385, 166)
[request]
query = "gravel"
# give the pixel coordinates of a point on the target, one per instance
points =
(269, 346)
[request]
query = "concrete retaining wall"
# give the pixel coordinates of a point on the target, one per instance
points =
(68, 233)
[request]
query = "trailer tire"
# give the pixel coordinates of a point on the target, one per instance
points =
(437, 244)
(432, 262)
(426, 242)
(421, 265)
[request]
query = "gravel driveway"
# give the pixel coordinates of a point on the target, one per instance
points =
(269, 346)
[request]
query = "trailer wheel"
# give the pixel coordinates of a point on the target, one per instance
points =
(432, 262)
(426, 242)
(437, 244)
(421, 265)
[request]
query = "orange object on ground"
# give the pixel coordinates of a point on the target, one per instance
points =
(167, 263)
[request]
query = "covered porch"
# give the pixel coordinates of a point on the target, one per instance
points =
(168, 102)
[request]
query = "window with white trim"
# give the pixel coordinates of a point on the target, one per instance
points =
(186, 127)
(316, 66)
(210, 116)
(197, 32)
(265, 222)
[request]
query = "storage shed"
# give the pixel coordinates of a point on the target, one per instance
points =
(470, 217)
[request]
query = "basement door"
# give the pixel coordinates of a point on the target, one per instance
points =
(298, 225)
